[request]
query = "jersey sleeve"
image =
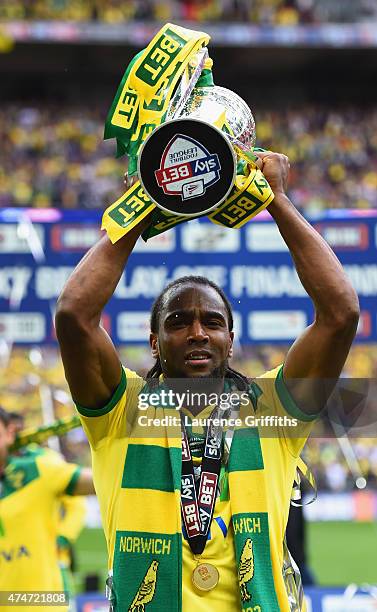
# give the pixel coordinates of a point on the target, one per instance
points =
(59, 475)
(275, 399)
(110, 421)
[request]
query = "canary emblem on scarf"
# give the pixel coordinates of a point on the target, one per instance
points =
(146, 589)
(246, 568)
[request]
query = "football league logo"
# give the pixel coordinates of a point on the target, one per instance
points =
(187, 168)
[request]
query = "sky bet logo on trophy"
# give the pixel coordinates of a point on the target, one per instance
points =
(189, 178)
(187, 168)
(190, 142)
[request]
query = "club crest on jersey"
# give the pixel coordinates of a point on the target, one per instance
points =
(187, 168)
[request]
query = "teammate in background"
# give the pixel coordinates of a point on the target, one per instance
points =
(191, 338)
(31, 485)
(71, 510)
(16, 422)
(17, 426)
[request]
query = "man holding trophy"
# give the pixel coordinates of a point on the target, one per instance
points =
(195, 520)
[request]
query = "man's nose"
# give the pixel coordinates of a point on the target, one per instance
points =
(197, 332)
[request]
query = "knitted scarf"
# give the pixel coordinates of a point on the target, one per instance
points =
(148, 552)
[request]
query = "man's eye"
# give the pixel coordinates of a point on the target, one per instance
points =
(176, 322)
(213, 323)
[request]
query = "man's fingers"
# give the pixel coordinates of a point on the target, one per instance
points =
(259, 162)
(263, 154)
(130, 180)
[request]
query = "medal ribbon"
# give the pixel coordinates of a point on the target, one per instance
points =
(198, 498)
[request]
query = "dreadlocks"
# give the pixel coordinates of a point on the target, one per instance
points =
(239, 379)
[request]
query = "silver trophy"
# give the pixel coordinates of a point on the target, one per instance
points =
(188, 164)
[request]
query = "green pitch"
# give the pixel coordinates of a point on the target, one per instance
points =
(91, 557)
(343, 552)
(339, 553)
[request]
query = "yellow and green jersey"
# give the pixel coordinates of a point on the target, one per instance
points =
(108, 429)
(70, 516)
(28, 498)
(72, 510)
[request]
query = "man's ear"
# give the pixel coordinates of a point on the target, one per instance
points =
(230, 352)
(153, 341)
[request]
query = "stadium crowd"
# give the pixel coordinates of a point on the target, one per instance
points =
(27, 370)
(264, 12)
(54, 159)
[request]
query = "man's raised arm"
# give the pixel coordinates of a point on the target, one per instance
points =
(91, 363)
(321, 350)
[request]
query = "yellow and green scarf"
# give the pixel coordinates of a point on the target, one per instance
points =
(147, 563)
(38, 435)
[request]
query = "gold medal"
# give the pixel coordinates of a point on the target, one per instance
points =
(205, 577)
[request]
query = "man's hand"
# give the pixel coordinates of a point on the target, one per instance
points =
(130, 180)
(275, 167)
(84, 484)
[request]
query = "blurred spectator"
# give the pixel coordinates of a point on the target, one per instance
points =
(271, 12)
(49, 160)
(333, 155)
(57, 158)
